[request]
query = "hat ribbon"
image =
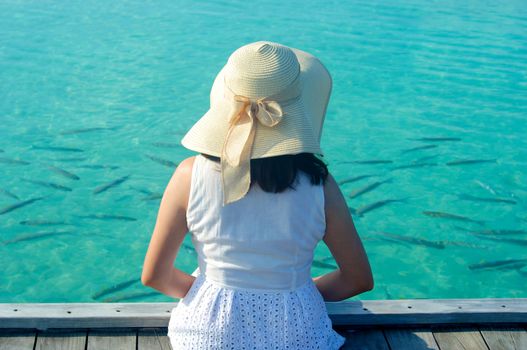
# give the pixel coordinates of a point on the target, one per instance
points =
(237, 147)
(240, 135)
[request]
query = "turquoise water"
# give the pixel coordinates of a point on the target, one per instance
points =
(115, 85)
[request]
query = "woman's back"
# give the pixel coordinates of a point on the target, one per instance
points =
(254, 288)
(264, 241)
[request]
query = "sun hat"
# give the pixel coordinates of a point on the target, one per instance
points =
(268, 100)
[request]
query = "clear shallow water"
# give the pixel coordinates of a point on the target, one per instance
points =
(140, 75)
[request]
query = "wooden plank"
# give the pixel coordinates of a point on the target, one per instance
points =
(462, 338)
(504, 338)
(112, 339)
(17, 340)
(410, 339)
(417, 312)
(364, 339)
(42, 316)
(61, 339)
(410, 312)
(153, 339)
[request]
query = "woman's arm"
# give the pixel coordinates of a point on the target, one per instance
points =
(354, 275)
(170, 230)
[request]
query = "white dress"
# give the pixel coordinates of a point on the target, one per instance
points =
(253, 288)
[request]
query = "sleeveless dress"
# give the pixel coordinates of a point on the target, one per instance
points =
(253, 288)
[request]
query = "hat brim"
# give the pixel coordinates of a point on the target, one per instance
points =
(298, 132)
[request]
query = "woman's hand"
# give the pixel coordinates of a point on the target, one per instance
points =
(169, 232)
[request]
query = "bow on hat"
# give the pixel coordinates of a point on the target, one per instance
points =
(237, 147)
(242, 122)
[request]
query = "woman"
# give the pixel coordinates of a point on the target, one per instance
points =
(257, 200)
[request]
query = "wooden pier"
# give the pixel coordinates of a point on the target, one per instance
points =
(406, 324)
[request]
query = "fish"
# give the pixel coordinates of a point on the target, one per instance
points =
(367, 188)
(470, 161)
(84, 130)
(98, 166)
(486, 199)
(512, 266)
(439, 214)
(63, 172)
(70, 159)
(141, 190)
(355, 178)
(413, 165)
(369, 207)
(498, 263)
(38, 235)
(425, 158)
(138, 295)
(49, 184)
(162, 161)
(463, 244)
(439, 139)
(153, 196)
(42, 223)
(124, 197)
(414, 240)
(391, 240)
(418, 148)
(9, 194)
(505, 240)
(486, 187)
(115, 288)
(498, 232)
(107, 217)
(13, 161)
(323, 265)
(111, 184)
(59, 149)
(370, 161)
(166, 144)
(20, 205)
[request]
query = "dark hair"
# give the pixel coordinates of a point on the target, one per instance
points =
(275, 174)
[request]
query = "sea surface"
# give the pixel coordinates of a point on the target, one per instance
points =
(426, 130)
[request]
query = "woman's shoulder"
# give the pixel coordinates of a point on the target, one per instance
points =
(178, 188)
(332, 192)
(183, 172)
(185, 166)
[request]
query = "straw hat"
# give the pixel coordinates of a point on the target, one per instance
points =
(268, 100)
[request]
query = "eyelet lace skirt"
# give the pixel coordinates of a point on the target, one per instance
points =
(212, 316)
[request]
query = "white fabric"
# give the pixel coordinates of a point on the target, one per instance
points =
(254, 288)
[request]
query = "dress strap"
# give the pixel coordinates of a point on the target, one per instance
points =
(203, 185)
(194, 185)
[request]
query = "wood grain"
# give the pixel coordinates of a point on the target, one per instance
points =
(17, 340)
(112, 339)
(365, 339)
(505, 338)
(61, 339)
(153, 339)
(410, 339)
(459, 338)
